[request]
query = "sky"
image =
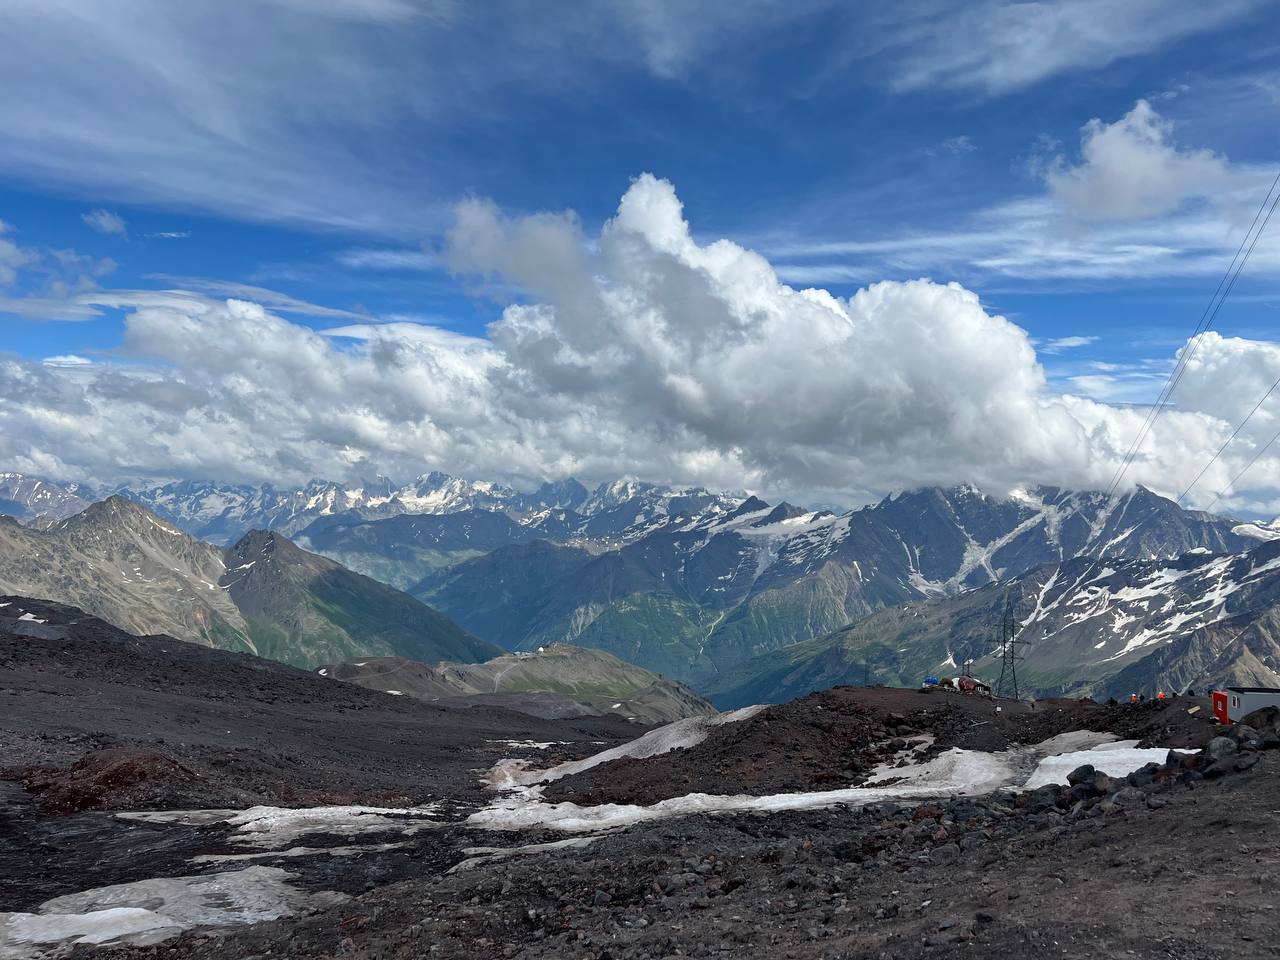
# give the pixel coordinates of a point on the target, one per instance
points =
(793, 247)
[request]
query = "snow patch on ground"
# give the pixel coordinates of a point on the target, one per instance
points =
(529, 744)
(1114, 759)
(274, 828)
(150, 911)
(689, 732)
(956, 772)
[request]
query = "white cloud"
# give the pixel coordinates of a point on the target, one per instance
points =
(959, 145)
(996, 46)
(1058, 344)
(67, 360)
(640, 351)
(105, 222)
(168, 235)
(395, 259)
(1136, 205)
(354, 125)
(1131, 169)
(12, 257)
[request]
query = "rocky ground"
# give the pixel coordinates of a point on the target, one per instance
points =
(93, 718)
(837, 737)
(1177, 860)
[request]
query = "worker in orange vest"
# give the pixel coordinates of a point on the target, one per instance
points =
(1160, 695)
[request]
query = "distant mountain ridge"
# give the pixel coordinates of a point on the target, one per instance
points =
(573, 681)
(221, 513)
(698, 595)
(119, 561)
(686, 582)
(30, 498)
(1097, 626)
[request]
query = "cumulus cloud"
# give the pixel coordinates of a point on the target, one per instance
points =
(1131, 168)
(638, 351)
(105, 222)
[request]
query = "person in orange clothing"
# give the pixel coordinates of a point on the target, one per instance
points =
(1133, 698)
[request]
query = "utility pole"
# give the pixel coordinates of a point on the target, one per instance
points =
(1010, 652)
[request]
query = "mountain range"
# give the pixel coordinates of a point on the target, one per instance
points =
(221, 513)
(1087, 626)
(720, 591)
(696, 596)
(119, 561)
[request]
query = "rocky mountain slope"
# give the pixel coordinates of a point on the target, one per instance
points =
(406, 549)
(222, 513)
(121, 562)
(29, 498)
(1105, 627)
(584, 682)
(208, 727)
(697, 595)
(304, 608)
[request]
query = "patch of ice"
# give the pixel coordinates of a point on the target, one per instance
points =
(396, 693)
(272, 828)
(32, 618)
(1258, 531)
(956, 772)
(150, 911)
(1114, 759)
(529, 744)
(688, 732)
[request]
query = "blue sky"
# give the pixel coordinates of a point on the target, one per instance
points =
(319, 152)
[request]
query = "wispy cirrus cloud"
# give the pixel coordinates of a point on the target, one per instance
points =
(399, 259)
(1134, 204)
(105, 222)
(995, 46)
(1059, 344)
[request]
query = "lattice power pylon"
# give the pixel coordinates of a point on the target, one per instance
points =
(1010, 652)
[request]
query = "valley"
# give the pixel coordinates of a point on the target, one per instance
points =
(168, 799)
(741, 600)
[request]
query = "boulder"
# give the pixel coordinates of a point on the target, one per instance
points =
(1081, 774)
(1243, 732)
(1220, 747)
(1265, 721)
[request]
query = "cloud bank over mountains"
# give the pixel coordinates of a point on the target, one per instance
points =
(638, 351)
